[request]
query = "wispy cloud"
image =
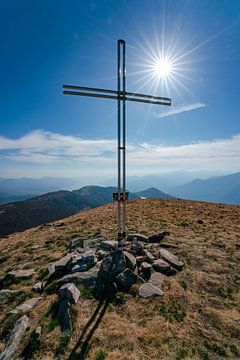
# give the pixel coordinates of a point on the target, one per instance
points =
(41, 147)
(179, 109)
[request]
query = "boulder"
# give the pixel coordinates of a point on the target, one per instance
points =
(130, 260)
(26, 306)
(70, 293)
(157, 279)
(18, 275)
(148, 256)
(167, 245)
(161, 266)
(109, 245)
(138, 237)
(112, 265)
(147, 290)
(15, 339)
(79, 268)
(8, 295)
(59, 266)
(137, 247)
(89, 258)
(156, 238)
(101, 254)
(75, 243)
(171, 259)
(64, 316)
(87, 278)
(39, 287)
(145, 270)
(126, 279)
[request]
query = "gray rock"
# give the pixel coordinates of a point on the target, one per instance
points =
(35, 247)
(137, 247)
(109, 245)
(18, 275)
(64, 316)
(126, 279)
(157, 279)
(89, 257)
(77, 242)
(70, 293)
(101, 254)
(87, 278)
(138, 237)
(26, 306)
(145, 266)
(148, 256)
(167, 245)
(79, 268)
(8, 295)
(39, 287)
(145, 270)
(147, 290)
(161, 266)
(59, 266)
(15, 339)
(130, 260)
(112, 265)
(156, 238)
(171, 259)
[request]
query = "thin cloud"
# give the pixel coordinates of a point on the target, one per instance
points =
(42, 147)
(179, 109)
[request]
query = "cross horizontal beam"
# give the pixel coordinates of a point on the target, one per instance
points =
(116, 95)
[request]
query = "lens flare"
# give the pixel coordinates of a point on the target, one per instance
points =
(162, 68)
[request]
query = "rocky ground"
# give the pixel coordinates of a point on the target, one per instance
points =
(172, 292)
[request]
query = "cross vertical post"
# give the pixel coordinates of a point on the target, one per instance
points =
(121, 95)
(121, 129)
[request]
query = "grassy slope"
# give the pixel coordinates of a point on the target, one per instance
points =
(199, 312)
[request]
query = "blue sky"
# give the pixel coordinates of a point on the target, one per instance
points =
(47, 43)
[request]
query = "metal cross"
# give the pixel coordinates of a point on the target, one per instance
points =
(121, 95)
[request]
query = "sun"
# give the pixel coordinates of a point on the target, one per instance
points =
(162, 68)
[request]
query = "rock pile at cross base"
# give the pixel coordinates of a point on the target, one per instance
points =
(101, 266)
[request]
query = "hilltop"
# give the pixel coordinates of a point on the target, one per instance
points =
(22, 215)
(198, 316)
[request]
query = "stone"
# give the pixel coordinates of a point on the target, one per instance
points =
(15, 339)
(101, 254)
(59, 266)
(89, 257)
(8, 295)
(137, 247)
(70, 293)
(138, 237)
(112, 265)
(126, 279)
(18, 275)
(75, 243)
(87, 278)
(147, 290)
(109, 245)
(35, 247)
(171, 259)
(139, 259)
(79, 268)
(161, 266)
(156, 238)
(26, 306)
(148, 256)
(130, 260)
(157, 279)
(64, 316)
(39, 287)
(167, 245)
(145, 266)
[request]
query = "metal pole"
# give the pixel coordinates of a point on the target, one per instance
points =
(124, 138)
(119, 135)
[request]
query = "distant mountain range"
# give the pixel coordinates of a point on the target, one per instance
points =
(22, 215)
(224, 189)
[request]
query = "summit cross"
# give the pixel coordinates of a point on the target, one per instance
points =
(121, 95)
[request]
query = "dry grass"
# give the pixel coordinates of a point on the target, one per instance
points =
(197, 318)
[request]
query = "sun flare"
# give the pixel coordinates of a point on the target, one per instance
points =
(162, 68)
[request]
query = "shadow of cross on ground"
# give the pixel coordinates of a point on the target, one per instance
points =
(83, 345)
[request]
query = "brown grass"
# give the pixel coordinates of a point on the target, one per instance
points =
(200, 305)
